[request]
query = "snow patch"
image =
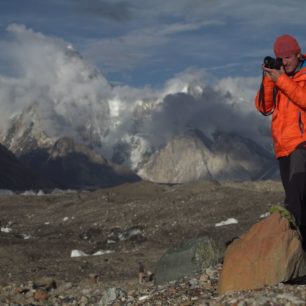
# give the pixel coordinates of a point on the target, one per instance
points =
(227, 222)
(40, 193)
(6, 192)
(101, 252)
(6, 229)
(78, 253)
(26, 236)
(265, 215)
(143, 297)
(28, 193)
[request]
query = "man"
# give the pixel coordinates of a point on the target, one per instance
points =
(283, 94)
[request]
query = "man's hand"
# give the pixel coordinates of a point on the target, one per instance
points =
(274, 74)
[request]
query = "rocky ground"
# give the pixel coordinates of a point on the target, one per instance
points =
(124, 231)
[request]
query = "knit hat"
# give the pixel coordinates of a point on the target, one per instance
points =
(286, 45)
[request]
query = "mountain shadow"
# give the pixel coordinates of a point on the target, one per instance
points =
(72, 165)
(17, 176)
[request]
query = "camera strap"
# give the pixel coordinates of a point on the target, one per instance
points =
(261, 98)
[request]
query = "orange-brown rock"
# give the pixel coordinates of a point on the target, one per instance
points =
(269, 253)
(41, 295)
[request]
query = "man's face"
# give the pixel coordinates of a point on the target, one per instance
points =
(290, 63)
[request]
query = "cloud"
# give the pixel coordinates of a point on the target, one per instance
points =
(210, 34)
(74, 99)
(51, 74)
(192, 100)
(226, 105)
(240, 11)
(114, 10)
(122, 53)
(144, 46)
(131, 36)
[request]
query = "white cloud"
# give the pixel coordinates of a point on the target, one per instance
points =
(227, 105)
(220, 35)
(53, 75)
(149, 44)
(124, 36)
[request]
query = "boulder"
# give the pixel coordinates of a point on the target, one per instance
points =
(187, 259)
(269, 253)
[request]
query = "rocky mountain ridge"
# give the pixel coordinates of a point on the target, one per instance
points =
(193, 156)
(184, 132)
(186, 157)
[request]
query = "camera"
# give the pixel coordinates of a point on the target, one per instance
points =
(272, 63)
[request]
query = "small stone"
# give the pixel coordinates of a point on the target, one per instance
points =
(46, 283)
(67, 286)
(291, 298)
(83, 300)
(171, 290)
(233, 301)
(132, 293)
(92, 300)
(111, 294)
(210, 272)
(187, 303)
(143, 297)
(262, 300)
(40, 295)
(86, 291)
(193, 283)
(203, 278)
(22, 290)
(93, 278)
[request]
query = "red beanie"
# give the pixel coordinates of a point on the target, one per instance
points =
(286, 45)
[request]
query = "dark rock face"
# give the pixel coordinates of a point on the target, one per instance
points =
(65, 162)
(16, 176)
(71, 165)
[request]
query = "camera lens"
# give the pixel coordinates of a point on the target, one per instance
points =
(269, 62)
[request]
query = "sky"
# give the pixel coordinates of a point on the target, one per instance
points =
(96, 64)
(145, 43)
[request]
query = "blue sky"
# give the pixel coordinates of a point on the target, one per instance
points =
(138, 43)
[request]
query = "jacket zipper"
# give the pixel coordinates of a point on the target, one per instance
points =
(301, 124)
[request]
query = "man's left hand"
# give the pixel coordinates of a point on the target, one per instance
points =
(274, 74)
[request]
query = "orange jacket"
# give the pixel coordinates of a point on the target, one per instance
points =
(286, 101)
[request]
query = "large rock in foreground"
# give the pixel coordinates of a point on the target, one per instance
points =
(187, 259)
(269, 253)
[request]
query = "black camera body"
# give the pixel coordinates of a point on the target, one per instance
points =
(272, 63)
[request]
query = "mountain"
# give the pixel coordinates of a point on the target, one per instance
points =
(78, 130)
(187, 154)
(62, 160)
(16, 176)
(192, 156)
(73, 165)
